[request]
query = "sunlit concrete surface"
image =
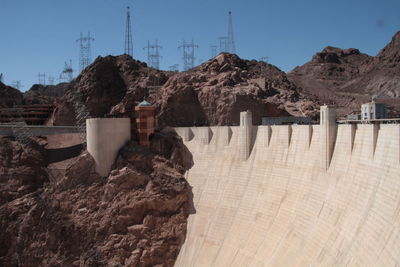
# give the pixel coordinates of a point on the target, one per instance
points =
(282, 207)
(105, 137)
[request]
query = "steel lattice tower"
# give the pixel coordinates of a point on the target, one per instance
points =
(231, 39)
(67, 73)
(153, 54)
(128, 34)
(188, 54)
(84, 50)
(224, 44)
(42, 78)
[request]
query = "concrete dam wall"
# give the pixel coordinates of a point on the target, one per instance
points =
(294, 198)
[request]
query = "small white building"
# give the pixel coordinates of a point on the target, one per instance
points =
(373, 111)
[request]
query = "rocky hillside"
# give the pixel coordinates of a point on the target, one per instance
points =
(347, 78)
(134, 217)
(9, 96)
(45, 94)
(212, 94)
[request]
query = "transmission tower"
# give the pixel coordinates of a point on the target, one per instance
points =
(213, 50)
(128, 34)
(174, 67)
(264, 59)
(84, 50)
(67, 73)
(42, 78)
(231, 39)
(50, 79)
(223, 44)
(17, 84)
(188, 54)
(153, 55)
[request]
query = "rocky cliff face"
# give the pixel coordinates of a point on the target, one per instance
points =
(217, 91)
(45, 94)
(135, 217)
(9, 96)
(347, 78)
(212, 94)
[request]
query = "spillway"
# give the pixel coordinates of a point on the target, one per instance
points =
(282, 206)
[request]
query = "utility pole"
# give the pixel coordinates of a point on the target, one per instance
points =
(84, 50)
(231, 38)
(128, 34)
(188, 54)
(153, 54)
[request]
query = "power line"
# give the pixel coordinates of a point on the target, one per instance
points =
(128, 34)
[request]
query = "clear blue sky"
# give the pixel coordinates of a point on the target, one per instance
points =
(38, 36)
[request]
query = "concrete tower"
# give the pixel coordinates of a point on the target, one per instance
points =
(246, 126)
(105, 137)
(327, 134)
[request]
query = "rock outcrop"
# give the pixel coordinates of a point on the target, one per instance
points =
(135, 217)
(347, 78)
(10, 96)
(211, 94)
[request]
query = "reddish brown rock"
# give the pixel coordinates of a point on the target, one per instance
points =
(22, 168)
(9, 96)
(135, 217)
(213, 93)
(347, 78)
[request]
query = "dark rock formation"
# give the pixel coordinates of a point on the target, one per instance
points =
(135, 217)
(212, 94)
(9, 96)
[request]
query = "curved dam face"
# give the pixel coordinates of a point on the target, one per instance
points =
(294, 201)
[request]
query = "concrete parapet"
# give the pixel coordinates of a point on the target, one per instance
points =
(328, 129)
(245, 137)
(105, 136)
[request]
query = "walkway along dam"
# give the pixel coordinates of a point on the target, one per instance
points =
(300, 195)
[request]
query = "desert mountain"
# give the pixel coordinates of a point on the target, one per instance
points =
(211, 94)
(347, 77)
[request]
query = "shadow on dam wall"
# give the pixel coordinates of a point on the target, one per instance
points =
(283, 207)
